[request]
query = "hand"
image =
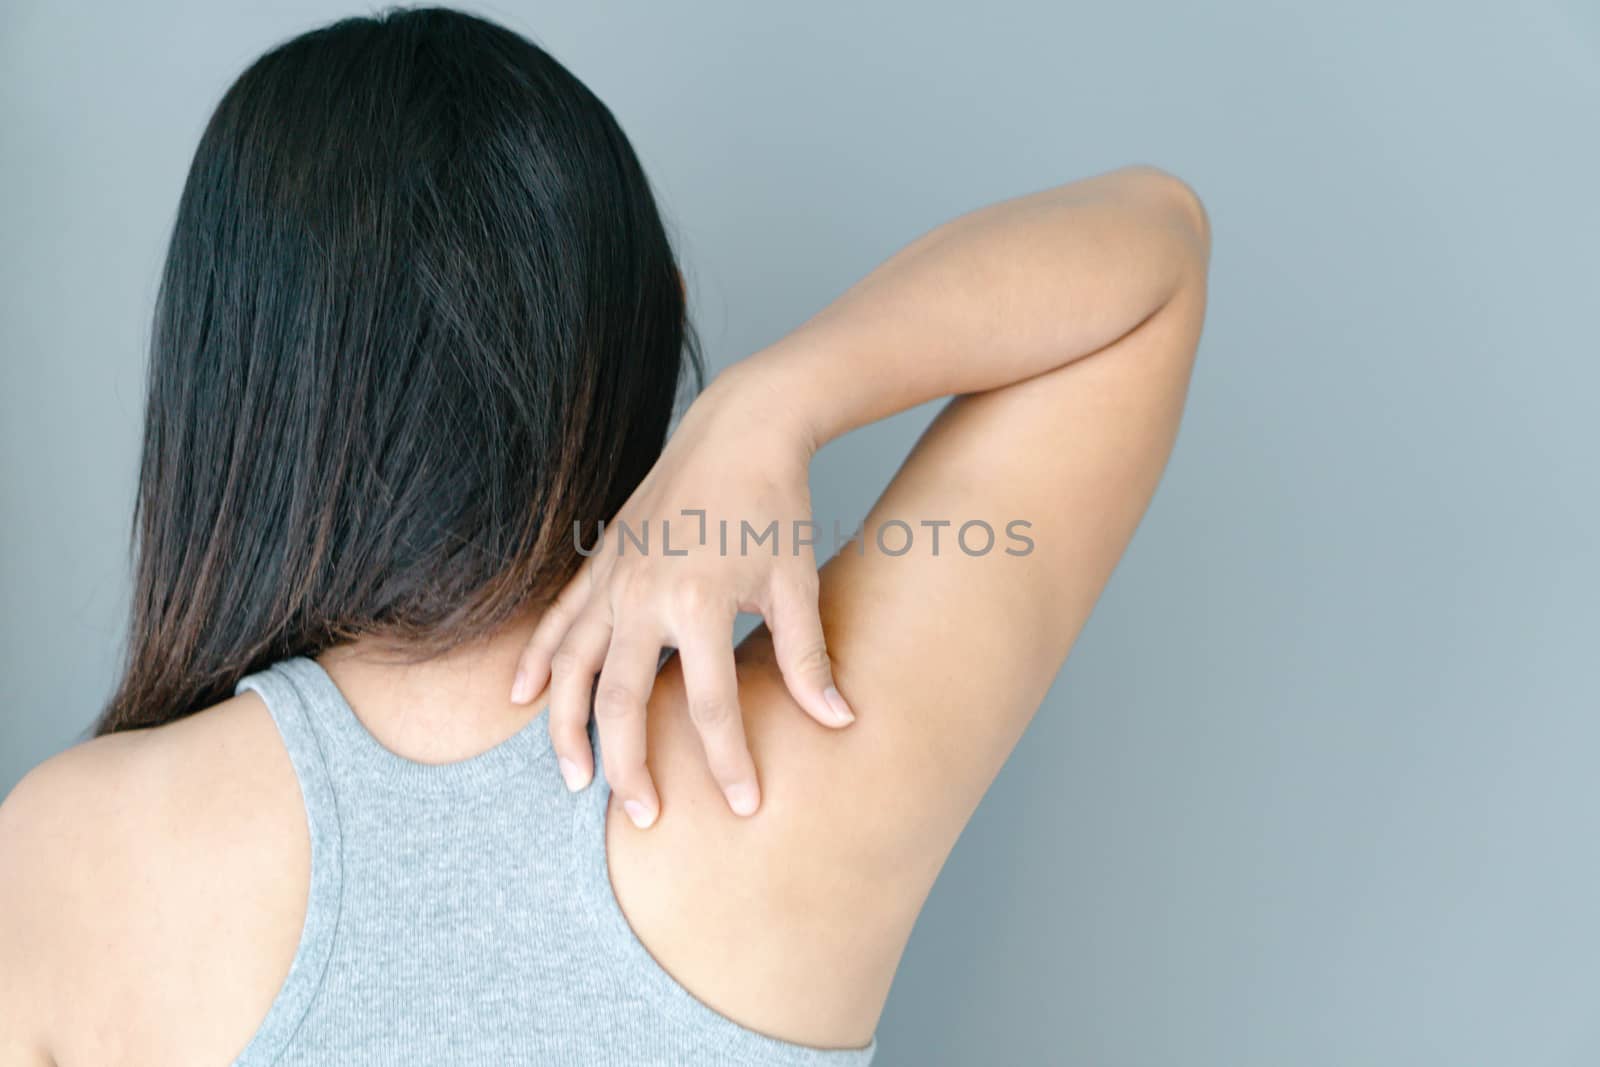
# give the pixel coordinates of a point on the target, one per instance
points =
(665, 575)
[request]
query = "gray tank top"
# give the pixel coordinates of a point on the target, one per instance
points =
(463, 914)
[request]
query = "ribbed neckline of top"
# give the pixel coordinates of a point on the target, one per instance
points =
(367, 756)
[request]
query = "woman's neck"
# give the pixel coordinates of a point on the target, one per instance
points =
(441, 710)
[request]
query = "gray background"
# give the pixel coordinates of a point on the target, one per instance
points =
(1317, 786)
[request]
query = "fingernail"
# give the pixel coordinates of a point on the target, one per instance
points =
(572, 774)
(841, 711)
(641, 814)
(742, 798)
(522, 687)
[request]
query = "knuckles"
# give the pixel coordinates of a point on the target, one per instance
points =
(801, 581)
(697, 595)
(710, 713)
(565, 662)
(811, 660)
(614, 701)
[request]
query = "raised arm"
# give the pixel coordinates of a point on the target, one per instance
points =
(1066, 323)
(988, 300)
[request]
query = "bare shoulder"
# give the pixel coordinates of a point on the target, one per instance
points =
(147, 871)
(141, 797)
(790, 921)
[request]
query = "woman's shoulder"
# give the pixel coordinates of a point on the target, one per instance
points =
(788, 921)
(140, 791)
(133, 864)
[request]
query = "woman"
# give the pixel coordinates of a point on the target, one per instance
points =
(419, 335)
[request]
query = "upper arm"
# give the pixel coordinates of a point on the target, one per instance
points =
(793, 920)
(42, 845)
(21, 949)
(948, 651)
(146, 876)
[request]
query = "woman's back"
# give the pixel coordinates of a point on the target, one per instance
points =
(270, 876)
(462, 913)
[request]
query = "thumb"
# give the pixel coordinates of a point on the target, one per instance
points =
(802, 654)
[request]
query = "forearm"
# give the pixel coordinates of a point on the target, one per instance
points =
(994, 297)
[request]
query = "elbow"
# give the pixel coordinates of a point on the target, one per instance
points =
(1181, 204)
(1194, 212)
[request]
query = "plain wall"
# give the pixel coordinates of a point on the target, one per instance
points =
(1318, 784)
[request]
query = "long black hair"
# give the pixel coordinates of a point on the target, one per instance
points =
(419, 315)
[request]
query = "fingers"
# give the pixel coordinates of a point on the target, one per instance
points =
(619, 709)
(533, 667)
(705, 648)
(578, 639)
(802, 652)
(573, 667)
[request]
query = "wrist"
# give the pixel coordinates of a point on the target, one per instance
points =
(768, 394)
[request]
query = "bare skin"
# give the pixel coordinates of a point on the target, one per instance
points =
(160, 876)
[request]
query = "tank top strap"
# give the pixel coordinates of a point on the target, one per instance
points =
(286, 688)
(289, 690)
